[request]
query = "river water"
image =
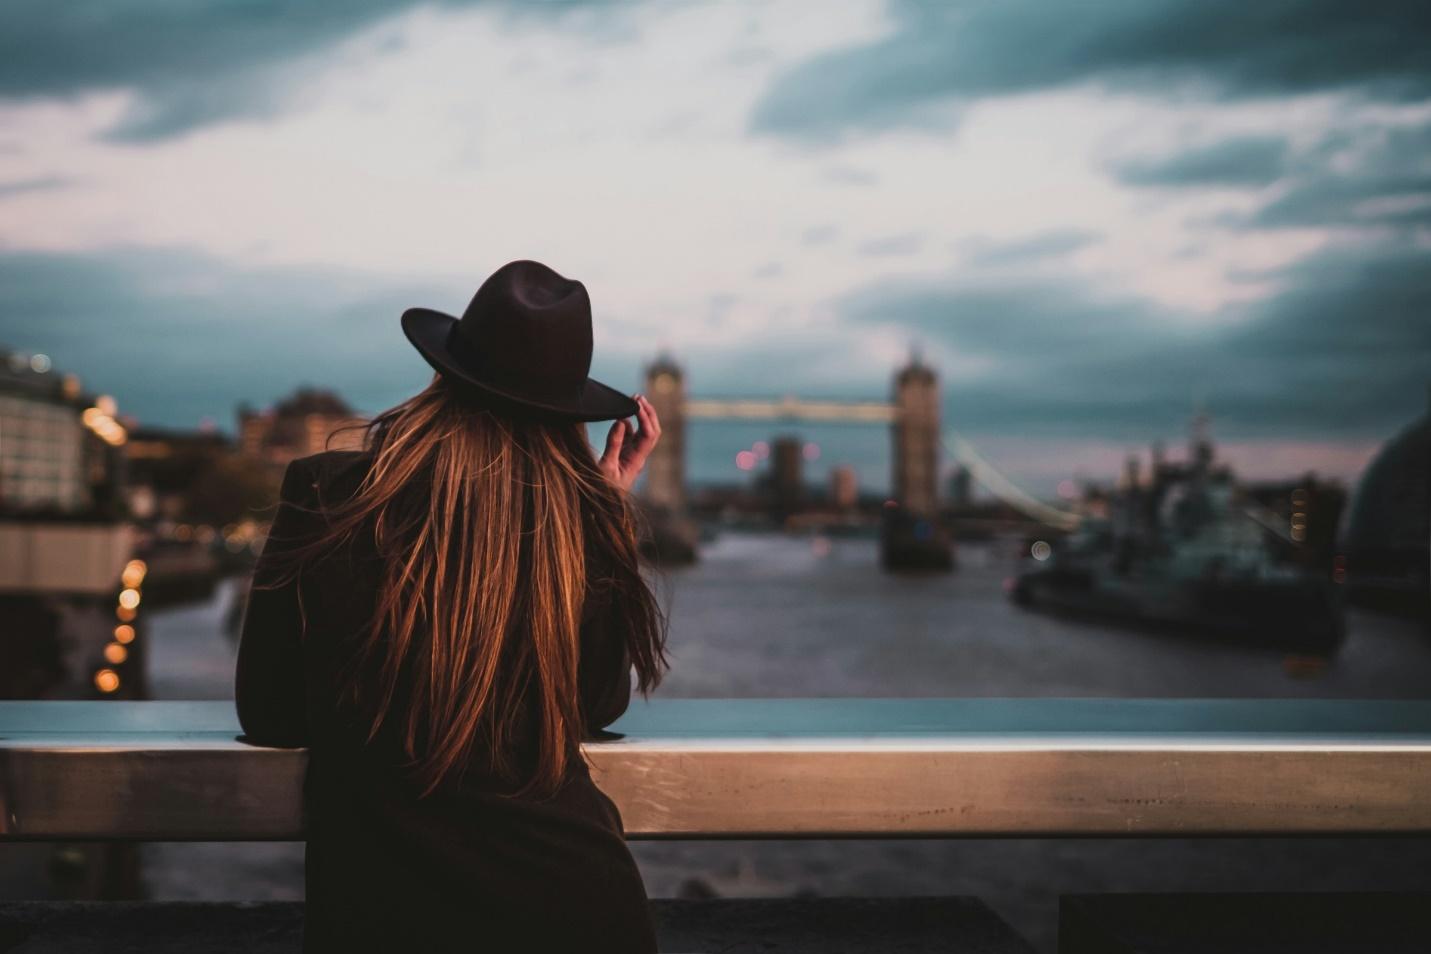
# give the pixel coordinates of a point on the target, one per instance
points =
(765, 615)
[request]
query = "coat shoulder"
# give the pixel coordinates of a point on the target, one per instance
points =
(331, 461)
(325, 477)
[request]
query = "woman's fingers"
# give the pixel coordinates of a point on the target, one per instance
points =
(646, 436)
(623, 459)
(655, 421)
(615, 437)
(650, 426)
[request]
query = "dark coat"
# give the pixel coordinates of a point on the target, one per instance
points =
(468, 868)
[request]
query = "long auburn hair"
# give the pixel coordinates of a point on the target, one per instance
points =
(487, 524)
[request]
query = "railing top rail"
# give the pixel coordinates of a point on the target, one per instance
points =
(793, 768)
(793, 720)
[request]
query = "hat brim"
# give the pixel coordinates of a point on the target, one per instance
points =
(428, 331)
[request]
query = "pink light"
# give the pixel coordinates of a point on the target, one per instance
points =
(762, 449)
(745, 460)
(1067, 489)
(811, 450)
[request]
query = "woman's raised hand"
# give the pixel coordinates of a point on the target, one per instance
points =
(626, 452)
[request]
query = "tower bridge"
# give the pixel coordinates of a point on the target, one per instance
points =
(912, 415)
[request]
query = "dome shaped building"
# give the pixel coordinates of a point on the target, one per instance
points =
(1387, 536)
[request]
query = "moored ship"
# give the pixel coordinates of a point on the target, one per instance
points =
(1194, 548)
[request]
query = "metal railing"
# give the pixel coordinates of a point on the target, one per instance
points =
(781, 768)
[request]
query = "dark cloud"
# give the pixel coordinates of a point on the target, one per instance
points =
(176, 337)
(1343, 351)
(1021, 325)
(1376, 176)
(164, 113)
(1246, 161)
(191, 62)
(1362, 174)
(951, 53)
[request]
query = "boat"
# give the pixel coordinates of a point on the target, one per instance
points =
(1190, 549)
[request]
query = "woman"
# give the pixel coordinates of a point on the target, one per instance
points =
(441, 619)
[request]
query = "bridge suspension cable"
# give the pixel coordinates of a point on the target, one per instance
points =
(1004, 488)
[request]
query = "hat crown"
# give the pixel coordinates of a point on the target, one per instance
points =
(528, 329)
(522, 346)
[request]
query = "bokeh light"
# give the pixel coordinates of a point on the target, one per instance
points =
(133, 573)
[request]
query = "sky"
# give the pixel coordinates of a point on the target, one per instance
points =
(1091, 219)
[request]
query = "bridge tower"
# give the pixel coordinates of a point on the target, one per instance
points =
(915, 434)
(665, 487)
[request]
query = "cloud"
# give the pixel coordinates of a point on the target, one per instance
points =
(1371, 176)
(1342, 351)
(1247, 161)
(851, 176)
(1052, 244)
(189, 63)
(949, 54)
(905, 243)
(35, 184)
(1366, 173)
(1029, 332)
(175, 109)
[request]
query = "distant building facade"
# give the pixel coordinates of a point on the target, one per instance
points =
(844, 487)
(64, 530)
(165, 466)
(60, 449)
(307, 422)
(961, 487)
(1386, 540)
(787, 474)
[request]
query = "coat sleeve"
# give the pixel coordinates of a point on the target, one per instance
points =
(604, 672)
(269, 678)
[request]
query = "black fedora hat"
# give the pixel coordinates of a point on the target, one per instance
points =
(524, 342)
